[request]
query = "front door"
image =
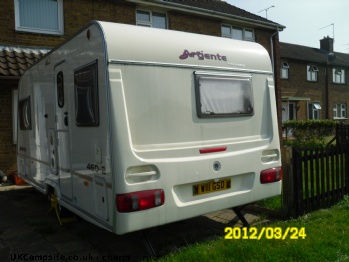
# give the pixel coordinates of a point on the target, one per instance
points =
(288, 111)
(62, 130)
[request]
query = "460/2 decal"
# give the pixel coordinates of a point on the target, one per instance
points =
(267, 232)
(96, 168)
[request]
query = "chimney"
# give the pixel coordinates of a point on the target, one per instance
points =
(326, 44)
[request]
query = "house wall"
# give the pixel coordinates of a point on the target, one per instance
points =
(298, 86)
(7, 148)
(77, 13)
(339, 93)
(194, 24)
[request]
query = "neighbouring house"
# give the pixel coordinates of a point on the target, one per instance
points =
(32, 28)
(314, 82)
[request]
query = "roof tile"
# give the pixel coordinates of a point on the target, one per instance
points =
(222, 7)
(311, 54)
(15, 60)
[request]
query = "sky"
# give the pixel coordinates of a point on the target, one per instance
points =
(304, 18)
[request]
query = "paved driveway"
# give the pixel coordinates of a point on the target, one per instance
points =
(29, 233)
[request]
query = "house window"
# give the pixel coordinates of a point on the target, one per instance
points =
(151, 19)
(237, 33)
(284, 70)
(340, 111)
(86, 95)
(39, 16)
(338, 76)
(223, 96)
(314, 111)
(312, 72)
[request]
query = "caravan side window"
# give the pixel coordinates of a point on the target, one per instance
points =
(24, 114)
(86, 95)
(60, 89)
(223, 95)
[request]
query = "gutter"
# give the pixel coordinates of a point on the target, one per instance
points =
(202, 11)
(272, 51)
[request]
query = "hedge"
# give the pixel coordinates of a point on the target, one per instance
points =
(308, 132)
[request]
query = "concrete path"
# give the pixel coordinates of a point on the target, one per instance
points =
(29, 233)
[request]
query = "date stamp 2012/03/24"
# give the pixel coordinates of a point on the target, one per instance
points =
(256, 233)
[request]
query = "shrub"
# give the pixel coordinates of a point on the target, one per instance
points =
(308, 133)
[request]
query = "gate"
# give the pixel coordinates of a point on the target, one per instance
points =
(321, 175)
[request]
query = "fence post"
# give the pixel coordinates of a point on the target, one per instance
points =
(288, 182)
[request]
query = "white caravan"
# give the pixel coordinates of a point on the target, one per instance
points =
(135, 127)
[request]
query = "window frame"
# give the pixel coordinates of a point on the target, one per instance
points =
(341, 74)
(92, 102)
(23, 28)
(314, 110)
(243, 29)
(284, 68)
(221, 77)
(338, 114)
(150, 22)
(312, 73)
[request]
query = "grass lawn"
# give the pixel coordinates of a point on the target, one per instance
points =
(327, 239)
(274, 203)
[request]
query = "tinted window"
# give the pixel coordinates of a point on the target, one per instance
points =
(60, 89)
(24, 113)
(86, 95)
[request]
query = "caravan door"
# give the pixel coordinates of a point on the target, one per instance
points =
(63, 147)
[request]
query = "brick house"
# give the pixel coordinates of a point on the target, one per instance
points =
(314, 82)
(31, 28)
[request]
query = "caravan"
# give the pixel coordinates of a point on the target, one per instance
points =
(132, 127)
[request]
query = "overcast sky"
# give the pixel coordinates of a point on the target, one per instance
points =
(304, 18)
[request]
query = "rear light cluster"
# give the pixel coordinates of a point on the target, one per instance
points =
(271, 175)
(141, 200)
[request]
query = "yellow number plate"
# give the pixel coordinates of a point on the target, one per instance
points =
(212, 186)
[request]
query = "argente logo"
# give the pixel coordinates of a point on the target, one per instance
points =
(200, 55)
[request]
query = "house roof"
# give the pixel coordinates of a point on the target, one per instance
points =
(311, 54)
(224, 8)
(14, 60)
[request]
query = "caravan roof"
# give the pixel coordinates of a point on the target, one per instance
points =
(199, 50)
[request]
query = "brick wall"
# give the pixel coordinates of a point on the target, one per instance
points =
(194, 24)
(298, 86)
(114, 11)
(7, 148)
(338, 94)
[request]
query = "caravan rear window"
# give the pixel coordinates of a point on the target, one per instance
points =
(86, 95)
(223, 95)
(24, 113)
